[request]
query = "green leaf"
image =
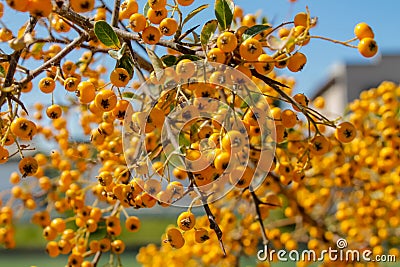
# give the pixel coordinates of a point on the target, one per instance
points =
(2, 71)
(128, 95)
(126, 63)
(183, 141)
(156, 62)
(254, 30)
(169, 60)
(208, 30)
(146, 8)
(193, 13)
(224, 13)
(106, 34)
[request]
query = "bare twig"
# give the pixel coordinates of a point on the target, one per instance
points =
(69, 48)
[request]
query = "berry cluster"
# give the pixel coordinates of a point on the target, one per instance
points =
(209, 125)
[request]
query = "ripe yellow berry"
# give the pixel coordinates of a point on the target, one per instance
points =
(363, 30)
(86, 92)
(367, 47)
(186, 220)
(345, 132)
(227, 42)
(201, 235)
(175, 238)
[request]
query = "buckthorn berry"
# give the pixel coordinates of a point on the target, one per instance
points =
(71, 84)
(216, 55)
(227, 42)
(319, 102)
(250, 49)
(179, 173)
(119, 77)
(234, 141)
(75, 259)
(5, 34)
(249, 20)
(301, 19)
(345, 132)
(117, 246)
(47, 85)
(265, 64)
(106, 100)
(289, 118)
(157, 4)
(82, 6)
(296, 62)
(363, 30)
(319, 145)
(23, 128)
(175, 238)
(40, 8)
(132, 224)
(120, 109)
(54, 111)
(19, 5)
(168, 26)
(201, 235)
(52, 249)
(238, 12)
(137, 22)
(151, 35)
(186, 220)
(185, 2)
(156, 16)
(49, 233)
(302, 100)
(152, 186)
(128, 8)
(86, 92)
(185, 69)
(367, 47)
(241, 176)
(221, 161)
(3, 155)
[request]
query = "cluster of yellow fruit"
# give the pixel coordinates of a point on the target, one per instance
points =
(231, 130)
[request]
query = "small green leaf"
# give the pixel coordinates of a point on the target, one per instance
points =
(128, 95)
(156, 62)
(126, 63)
(169, 60)
(208, 30)
(106, 34)
(254, 30)
(224, 13)
(146, 8)
(193, 13)
(183, 141)
(2, 71)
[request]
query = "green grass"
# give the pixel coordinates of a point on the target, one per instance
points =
(29, 236)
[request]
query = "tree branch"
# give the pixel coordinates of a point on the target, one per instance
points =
(56, 59)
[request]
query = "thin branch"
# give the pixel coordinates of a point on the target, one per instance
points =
(115, 13)
(69, 48)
